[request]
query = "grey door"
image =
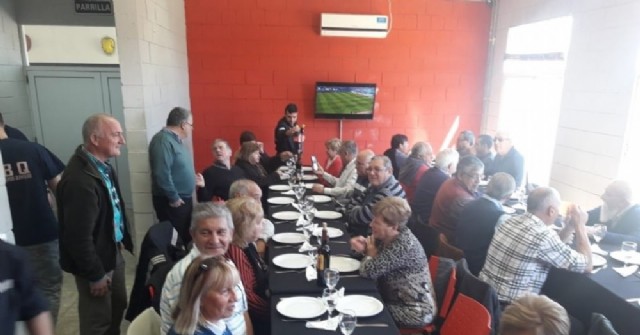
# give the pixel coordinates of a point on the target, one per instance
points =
(62, 98)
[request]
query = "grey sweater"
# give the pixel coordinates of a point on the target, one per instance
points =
(172, 170)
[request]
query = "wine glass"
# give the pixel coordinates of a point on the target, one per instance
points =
(299, 190)
(313, 254)
(628, 248)
(348, 322)
(331, 278)
(330, 297)
(599, 231)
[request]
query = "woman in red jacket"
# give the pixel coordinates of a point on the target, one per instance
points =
(333, 165)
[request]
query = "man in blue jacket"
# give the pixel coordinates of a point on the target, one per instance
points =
(619, 213)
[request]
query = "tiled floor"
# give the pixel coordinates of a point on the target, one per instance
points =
(68, 314)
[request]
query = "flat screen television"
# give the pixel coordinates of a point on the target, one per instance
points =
(345, 100)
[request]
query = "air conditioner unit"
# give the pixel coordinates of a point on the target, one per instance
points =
(354, 25)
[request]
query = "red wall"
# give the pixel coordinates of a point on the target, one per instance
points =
(249, 58)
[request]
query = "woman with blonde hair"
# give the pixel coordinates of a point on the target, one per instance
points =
(333, 164)
(534, 315)
(207, 297)
(247, 217)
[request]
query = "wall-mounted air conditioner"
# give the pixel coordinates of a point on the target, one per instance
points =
(354, 25)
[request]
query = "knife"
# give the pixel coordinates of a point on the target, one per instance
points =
(372, 325)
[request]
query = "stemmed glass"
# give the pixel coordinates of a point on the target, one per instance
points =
(330, 297)
(348, 321)
(599, 231)
(313, 254)
(331, 278)
(299, 190)
(628, 248)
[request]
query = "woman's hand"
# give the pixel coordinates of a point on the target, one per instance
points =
(359, 244)
(372, 250)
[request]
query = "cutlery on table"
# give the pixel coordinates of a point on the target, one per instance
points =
(372, 325)
(598, 269)
(289, 271)
(297, 320)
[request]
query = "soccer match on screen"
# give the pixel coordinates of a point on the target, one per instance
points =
(345, 100)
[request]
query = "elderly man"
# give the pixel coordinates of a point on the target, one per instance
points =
(619, 213)
(465, 143)
(381, 184)
(217, 178)
(94, 228)
(429, 184)
(525, 247)
(362, 166)
(342, 185)
(415, 167)
(212, 231)
(479, 218)
(173, 179)
(398, 152)
(454, 194)
(484, 151)
(508, 159)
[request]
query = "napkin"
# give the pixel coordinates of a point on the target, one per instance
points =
(331, 324)
(306, 247)
(596, 250)
(301, 221)
(626, 271)
(284, 176)
(289, 192)
(310, 272)
(296, 206)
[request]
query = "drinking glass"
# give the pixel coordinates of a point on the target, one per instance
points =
(313, 254)
(299, 191)
(628, 248)
(599, 231)
(348, 322)
(330, 297)
(331, 278)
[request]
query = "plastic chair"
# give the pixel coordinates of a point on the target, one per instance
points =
(147, 323)
(467, 317)
(447, 250)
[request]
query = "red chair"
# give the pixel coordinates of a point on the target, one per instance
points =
(467, 317)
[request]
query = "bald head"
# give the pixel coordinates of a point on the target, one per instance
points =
(422, 151)
(245, 188)
(362, 161)
(618, 195)
(102, 136)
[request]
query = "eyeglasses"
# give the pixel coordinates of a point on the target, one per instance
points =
(474, 176)
(376, 169)
(190, 124)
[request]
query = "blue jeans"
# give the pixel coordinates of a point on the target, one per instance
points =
(45, 261)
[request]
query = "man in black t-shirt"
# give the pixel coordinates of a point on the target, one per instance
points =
(286, 129)
(29, 170)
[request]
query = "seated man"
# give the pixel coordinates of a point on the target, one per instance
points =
(508, 159)
(362, 166)
(619, 213)
(429, 184)
(415, 167)
(534, 314)
(398, 152)
(218, 177)
(479, 218)
(484, 151)
(525, 247)
(465, 143)
(381, 184)
(342, 185)
(454, 194)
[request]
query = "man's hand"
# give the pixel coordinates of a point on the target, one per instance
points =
(260, 146)
(577, 217)
(318, 188)
(199, 180)
(101, 287)
(285, 155)
(177, 203)
(358, 244)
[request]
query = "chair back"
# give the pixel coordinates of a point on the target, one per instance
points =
(146, 323)
(447, 250)
(467, 317)
(443, 277)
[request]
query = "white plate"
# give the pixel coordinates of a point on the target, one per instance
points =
(344, 264)
(484, 183)
(309, 177)
(621, 256)
(508, 210)
(301, 307)
(332, 232)
(328, 215)
(597, 260)
(279, 188)
(292, 261)
(289, 238)
(286, 215)
(362, 305)
(307, 169)
(280, 200)
(320, 199)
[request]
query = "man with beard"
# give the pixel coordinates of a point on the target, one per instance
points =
(619, 213)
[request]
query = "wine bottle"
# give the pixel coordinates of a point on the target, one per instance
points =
(324, 255)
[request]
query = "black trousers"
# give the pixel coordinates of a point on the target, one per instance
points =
(180, 217)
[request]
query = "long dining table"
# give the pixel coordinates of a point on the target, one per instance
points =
(284, 283)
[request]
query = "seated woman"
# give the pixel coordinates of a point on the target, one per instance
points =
(249, 161)
(333, 165)
(247, 217)
(534, 314)
(207, 296)
(394, 257)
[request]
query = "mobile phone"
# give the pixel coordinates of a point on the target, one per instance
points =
(314, 163)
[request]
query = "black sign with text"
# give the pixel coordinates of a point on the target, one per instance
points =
(94, 6)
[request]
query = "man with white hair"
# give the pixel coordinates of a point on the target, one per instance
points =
(429, 184)
(619, 213)
(415, 167)
(508, 159)
(525, 248)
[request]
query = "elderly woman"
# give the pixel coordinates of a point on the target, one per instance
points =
(207, 297)
(534, 314)
(395, 259)
(247, 221)
(333, 165)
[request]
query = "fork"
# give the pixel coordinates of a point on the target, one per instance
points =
(289, 271)
(372, 325)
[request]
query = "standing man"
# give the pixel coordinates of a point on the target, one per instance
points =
(29, 169)
(286, 129)
(173, 179)
(93, 227)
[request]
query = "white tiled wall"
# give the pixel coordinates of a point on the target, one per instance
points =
(599, 79)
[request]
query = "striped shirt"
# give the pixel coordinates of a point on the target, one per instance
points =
(171, 293)
(360, 209)
(520, 255)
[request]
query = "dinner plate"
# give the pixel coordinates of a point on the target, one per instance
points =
(292, 261)
(307, 169)
(279, 187)
(597, 260)
(362, 305)
(289, 238)
(280, 200)
(308, 186)
(301, 307)
(328, 215)
(309, 177)
(344, 264)
(320, 199)
(332, 232)
(632, 258)
(286, 215)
